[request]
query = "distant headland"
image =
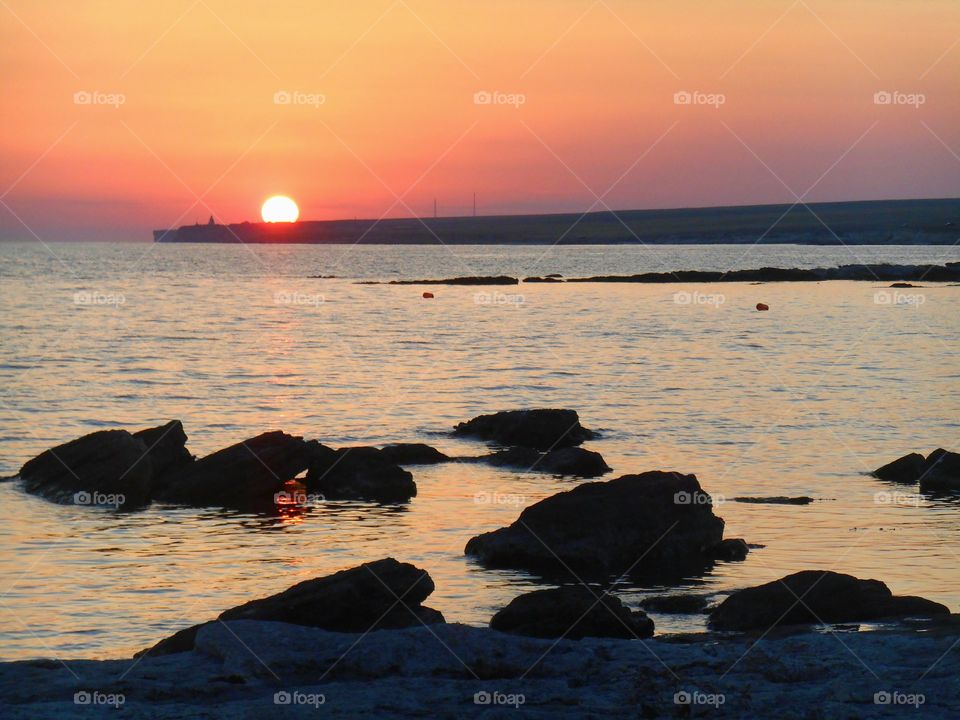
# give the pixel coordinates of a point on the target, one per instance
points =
(883, 222)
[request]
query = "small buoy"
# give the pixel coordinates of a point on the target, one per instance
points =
(428, 295)
(762, 306)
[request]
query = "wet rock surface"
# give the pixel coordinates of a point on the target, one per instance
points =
(412, 454)
(654, 524)
(570, 461)
(373, 596)
(571, 612)
(907, 469)
(817, 596)
(358, 473)
(107, 464)
(685, 604)
(246, 474)
(542, 429)
(941, 472)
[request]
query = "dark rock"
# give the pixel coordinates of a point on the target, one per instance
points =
(824, 596)
(904, 285)
(675, 604)
(412, 454)
(571, 612)
(941, 472)
(107, 467)
(907, 469)
(775, 500)
(564, 461)
(376, 595)
(573, 461)
(523, 458)
(358, 473)
(545, 279)
(180, 641)
(554, 275)
(166, 446)
(472, 280)
(729, 550)
(882, 271)
(656, 524)
(543, 429)
(246, 474)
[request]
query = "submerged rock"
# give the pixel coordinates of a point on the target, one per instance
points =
(730, 550)
(573, 461)
(658, 524)
(941, 472)
(675, 604)
(412, 454)
(358, 473)
(246, 474)
(881, 271)
(938, 472)
(543, 429)
(521, 458)
(815, 596)
(907, 469)
(571, 612)
(107, 467)
(385, 594)
(469, 280)
(775, 500)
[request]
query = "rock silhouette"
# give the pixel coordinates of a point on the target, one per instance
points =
(815, 596)
(542, 429)
(385, 594)
(571, 612)
(656, 524)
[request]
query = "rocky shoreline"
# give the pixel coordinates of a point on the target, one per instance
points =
(882, 272)
(363, 641)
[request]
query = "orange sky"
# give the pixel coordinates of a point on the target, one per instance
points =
(398, 117)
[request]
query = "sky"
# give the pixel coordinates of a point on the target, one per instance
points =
(120, 118)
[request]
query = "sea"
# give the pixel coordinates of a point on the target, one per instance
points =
(835, 380)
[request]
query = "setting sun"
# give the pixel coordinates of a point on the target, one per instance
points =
(280, 208)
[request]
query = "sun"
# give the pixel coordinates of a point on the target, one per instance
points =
(279, 208)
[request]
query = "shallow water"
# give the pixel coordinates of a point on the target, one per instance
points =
(802, 400)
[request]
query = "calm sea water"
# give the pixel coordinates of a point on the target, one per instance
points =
(804, 399)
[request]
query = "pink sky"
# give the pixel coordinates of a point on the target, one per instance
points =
(785, 107)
